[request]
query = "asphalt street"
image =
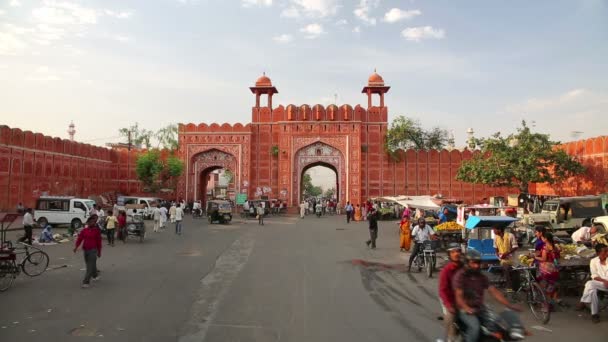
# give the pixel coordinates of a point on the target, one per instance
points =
(292, 279)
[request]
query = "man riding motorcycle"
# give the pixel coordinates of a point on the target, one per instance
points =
(446, 291)
(469, 285)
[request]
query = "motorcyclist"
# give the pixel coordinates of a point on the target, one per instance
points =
(422, 232)
(446, 291)
(470, 285)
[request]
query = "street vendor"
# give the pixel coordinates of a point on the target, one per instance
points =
(583, 235)
(505, 244)
(598, 282)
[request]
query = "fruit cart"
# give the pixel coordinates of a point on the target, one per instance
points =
(449, 232)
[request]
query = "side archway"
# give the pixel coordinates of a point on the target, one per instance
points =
(205, 163)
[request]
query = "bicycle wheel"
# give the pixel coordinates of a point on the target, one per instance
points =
(538, 303)
(35, 264)
(6, 275)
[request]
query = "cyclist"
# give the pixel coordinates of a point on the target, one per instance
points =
(469, 287)
(446, 291)
(422, 232)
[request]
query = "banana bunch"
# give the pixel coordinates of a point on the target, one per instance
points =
(600, 238)
(569, 249)
(448, 226)
(526, 260)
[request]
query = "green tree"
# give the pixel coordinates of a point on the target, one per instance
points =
(406, 133)
(148, 168)
(518, 160)
(140, 137)
(167, 137)
(308, 189)
(329, 193)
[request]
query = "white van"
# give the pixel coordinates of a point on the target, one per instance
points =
(62, 210)
(147, 202)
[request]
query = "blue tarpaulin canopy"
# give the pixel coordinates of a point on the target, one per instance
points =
(489, 221)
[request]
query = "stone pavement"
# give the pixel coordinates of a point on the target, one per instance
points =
(292, 279)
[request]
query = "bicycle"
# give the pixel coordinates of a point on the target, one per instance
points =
(535, 295)
(427, 258)
(33, 264)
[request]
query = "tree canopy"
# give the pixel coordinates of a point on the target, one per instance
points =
(518, 160)
(155, 173)
(308, 189)
(406, 133)
(165, 137)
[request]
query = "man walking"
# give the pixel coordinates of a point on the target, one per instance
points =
(349, 211)
(261, 214)
(163, 217)
(90, 238)
(172, 211)
(156, 215)
(303, 206)
(373, 229)
(28, 226)
(446, 290)
(179, 216)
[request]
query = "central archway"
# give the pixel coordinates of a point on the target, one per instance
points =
(334, 184)
(316, 154)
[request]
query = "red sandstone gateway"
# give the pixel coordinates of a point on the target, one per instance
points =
(269, 156)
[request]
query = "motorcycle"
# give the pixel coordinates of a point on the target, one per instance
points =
(505, 326)
(318, 211)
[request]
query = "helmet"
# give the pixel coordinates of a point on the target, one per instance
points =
(453, 246)
(473, 255)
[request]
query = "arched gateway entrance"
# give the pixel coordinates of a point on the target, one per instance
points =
(204, 164)
(319, 154)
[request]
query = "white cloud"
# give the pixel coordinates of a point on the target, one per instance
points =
(118, 15)
(2, 12)
(341, 22)
(312, 31)
(11, 44)
(15, 3)
(284, 38)
(417, 34)
(252, 3)
(363, 10)
(64, 13)
(120, 38)
(395, 14)
(357, 29)
(290, 12)
(584, 108)
(317, 8)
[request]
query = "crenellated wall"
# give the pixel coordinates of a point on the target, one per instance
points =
(32, 164)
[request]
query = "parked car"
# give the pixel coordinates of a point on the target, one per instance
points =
(57, 210)
(567, 214)
(129, 203)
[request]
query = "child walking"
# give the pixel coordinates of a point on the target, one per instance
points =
(90, 238)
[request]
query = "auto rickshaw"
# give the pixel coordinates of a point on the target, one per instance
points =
(219, 211)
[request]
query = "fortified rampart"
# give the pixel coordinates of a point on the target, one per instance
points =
(32, 164)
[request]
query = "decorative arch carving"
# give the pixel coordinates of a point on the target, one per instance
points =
(318, 152)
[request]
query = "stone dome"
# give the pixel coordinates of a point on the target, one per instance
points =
(375, 80)
(263, 81)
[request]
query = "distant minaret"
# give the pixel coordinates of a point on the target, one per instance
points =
(471, 139)
(451, 141)
(71, 131)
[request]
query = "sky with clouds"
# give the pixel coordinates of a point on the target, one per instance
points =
(473, 63)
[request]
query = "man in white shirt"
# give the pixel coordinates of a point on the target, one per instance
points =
(422, 232)
(28, 226)
(156, 216)
(163, 217)
(598, 282)
(179, 216)
(583, 234)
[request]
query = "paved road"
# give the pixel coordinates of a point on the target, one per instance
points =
(290, 280)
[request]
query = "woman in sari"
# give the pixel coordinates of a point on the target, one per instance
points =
(358, 216)
(405, 240)
(547, 266)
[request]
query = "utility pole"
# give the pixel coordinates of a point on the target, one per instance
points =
(129, 162)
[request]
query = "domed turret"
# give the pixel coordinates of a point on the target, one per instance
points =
(263, 81)
(375, 80)
(375, 85)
